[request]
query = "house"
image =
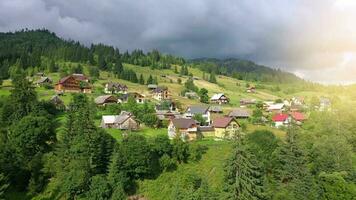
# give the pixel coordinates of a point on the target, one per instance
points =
(58, 103)
(280, 119)
(298, 117)
(187, 128)
(152, 86)
(277, 107)
(244, 102)
(137, 96)
(124, 121)
(114, 88)
(43, 81)
(225, 127)
(161, 94)
(73, 83)
(251, 89)
(207, 131)
(220, 98)
(191, 95)
(240, 113)
(198, 110)
(215, 109)
(105, 99)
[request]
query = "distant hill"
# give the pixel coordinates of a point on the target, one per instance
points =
(243, 70)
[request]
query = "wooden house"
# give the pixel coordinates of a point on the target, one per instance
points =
(140, 98)
(43, 81)
(105, 99)
(124, 121)
(115, 88)
(240, 113)
(161, 94)
(220, 98)
(73, 83)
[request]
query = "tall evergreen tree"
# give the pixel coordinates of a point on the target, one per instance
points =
(242, 177)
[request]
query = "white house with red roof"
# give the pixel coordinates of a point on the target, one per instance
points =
(280, 119)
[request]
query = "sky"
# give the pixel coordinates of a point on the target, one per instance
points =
(315, 39)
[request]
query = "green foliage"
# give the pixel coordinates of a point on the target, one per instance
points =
(200, 119)
(167, 163)
(180, 150)
(242, 177)
(3, 186)
(203, 95)
(137, 155)
(333, 187)
(212, 78)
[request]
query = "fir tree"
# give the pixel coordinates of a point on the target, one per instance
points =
(242, 177)
(141, 80)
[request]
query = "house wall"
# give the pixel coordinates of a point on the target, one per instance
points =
(228, 131)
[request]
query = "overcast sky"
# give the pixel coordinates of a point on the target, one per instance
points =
(316, 39)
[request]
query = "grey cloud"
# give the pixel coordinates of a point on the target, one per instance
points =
(297, 35)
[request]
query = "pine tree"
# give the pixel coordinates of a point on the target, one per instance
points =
(150, 80)
(141, 80)
(212, 78)
(242, 177)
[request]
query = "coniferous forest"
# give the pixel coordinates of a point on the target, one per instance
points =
(47, 152)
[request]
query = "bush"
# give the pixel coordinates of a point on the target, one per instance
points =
(167, 163)
(196, 151)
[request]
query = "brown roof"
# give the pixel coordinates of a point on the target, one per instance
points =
(222, 122)
(78, 77)
(240, 112)
(183, 123)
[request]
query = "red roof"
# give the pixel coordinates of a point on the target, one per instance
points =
(280, 117)
(222, 122)
(298, 116)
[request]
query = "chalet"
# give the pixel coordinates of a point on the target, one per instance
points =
(276, 107)
(185, 128)
(198, 110)
(105, 99)
(225, 127)
(215, 109)
(43, 81)
(73, 83)
(220, 98)
(124, 121)
(140, 98)
(114, 88)
(298, 117)
(280, 119)
(58, 103)
(251, 89)
(240, 113)
(161, 94)
(245, 102)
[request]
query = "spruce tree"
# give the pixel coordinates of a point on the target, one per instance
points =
(141, 80)
(242, 177)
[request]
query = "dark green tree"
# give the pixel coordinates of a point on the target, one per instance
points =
(242, 177)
